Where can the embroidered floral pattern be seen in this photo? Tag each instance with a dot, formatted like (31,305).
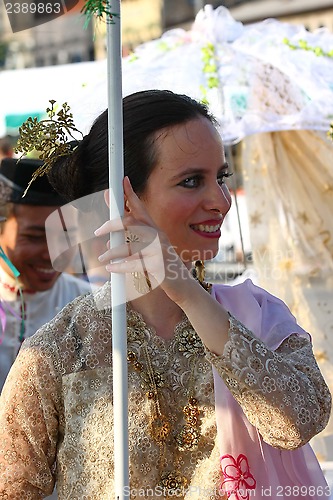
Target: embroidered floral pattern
(269,385)
(237,478)
(64,384)
(189,343)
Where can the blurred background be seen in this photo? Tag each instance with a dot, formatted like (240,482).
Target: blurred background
(268,235)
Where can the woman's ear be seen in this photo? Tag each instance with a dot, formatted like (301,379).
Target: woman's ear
(127,208)
(106,197)
(107,200)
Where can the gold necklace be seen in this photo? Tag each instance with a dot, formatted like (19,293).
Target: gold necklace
(198,273)
(160,428)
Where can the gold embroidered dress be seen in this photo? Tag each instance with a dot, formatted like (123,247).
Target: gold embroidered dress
(56,417)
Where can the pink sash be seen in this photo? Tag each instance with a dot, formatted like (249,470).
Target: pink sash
(250,468)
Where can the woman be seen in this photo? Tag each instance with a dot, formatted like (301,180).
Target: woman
(185,339)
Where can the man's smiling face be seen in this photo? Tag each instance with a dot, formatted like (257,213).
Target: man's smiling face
(23,240)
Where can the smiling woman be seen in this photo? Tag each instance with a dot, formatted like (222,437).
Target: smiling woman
(224,390)
(188,182)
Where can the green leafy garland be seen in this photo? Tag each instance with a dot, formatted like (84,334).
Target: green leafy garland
(209,69)
(303,45)
(318,51)
(99,9)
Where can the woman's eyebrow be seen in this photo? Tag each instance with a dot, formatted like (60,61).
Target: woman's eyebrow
(197,171)
(189,171)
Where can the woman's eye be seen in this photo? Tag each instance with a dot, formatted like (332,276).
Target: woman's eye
(190,182)
(224,175)
(197,180)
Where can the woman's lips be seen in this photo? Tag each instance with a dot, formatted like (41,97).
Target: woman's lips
(208,230)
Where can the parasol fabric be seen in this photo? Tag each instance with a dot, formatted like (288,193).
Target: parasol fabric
(264,77)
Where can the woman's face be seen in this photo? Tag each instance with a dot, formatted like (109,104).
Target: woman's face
(185,194)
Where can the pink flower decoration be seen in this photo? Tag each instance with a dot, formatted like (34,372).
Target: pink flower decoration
(237,478)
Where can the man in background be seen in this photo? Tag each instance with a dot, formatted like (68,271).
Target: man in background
(6,147)
(31,291)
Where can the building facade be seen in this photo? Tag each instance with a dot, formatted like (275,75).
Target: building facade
(63,40)
(66,39)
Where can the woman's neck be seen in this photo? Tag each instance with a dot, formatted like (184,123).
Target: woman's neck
(159,312)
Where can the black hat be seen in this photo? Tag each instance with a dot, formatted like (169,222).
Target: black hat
(15,176)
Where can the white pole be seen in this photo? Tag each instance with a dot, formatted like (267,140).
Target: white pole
(118,295)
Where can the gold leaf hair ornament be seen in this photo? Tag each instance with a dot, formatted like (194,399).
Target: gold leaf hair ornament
(49,137)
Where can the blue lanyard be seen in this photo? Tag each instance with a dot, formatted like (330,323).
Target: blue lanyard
(9,264)
(16,274)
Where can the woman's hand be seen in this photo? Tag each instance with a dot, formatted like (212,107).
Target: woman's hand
(146,249)
(149,251)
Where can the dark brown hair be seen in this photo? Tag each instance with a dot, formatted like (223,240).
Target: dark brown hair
(85,171)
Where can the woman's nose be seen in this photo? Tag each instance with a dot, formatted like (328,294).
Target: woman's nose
(219,199)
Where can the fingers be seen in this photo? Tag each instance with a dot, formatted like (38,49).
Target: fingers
(110,226)
(127,223)
(121,252)
(138,239)
(134,263)
(140,235)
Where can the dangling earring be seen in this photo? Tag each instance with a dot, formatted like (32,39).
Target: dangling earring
(199,274)
(199,271)
(142,283)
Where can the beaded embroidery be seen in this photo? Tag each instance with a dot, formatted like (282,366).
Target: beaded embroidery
(187,439)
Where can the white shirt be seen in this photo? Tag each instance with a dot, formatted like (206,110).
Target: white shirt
(40,307)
